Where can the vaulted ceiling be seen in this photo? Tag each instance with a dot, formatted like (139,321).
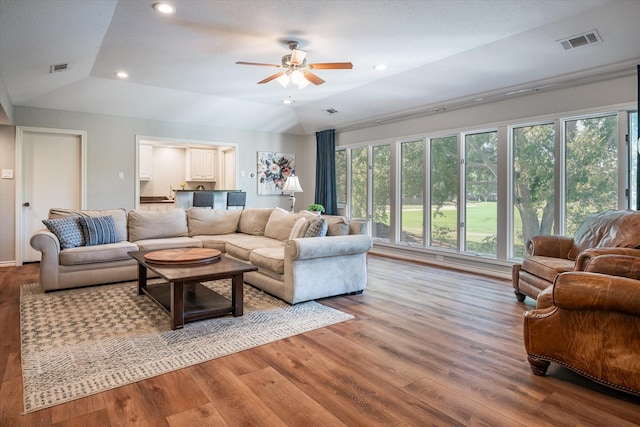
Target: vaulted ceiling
(182,67)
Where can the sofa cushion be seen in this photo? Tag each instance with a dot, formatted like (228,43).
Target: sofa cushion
(309,215)
(299,228)
(254,220)
(68,231)
(337,225)
(169,243)
(241,247)
(119,216)
(212,221)
(271,259)
(317,228)
(155,224)
(98,230)
(546,267)
(612,228)
(97,254)
(280,224)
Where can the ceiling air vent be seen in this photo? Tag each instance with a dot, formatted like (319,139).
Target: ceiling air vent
(588,38)
(330,111)
(58,67)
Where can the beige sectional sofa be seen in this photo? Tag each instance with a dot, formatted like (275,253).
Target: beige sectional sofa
(291,266)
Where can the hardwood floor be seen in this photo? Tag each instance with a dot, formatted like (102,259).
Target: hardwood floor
(428,346)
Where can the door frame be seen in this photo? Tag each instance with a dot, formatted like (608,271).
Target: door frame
(20,133)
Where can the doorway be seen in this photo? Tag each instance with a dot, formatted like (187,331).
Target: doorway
(168,158)
(52,173)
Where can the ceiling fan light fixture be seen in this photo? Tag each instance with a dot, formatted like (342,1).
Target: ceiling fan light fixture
(298,56)
(297,77)
(284,80)
(303,83)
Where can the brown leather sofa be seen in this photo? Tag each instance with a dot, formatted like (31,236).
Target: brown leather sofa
(609,232)
(589,321)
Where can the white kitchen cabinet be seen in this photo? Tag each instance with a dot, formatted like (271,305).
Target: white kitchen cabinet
(200,165)
(146,162)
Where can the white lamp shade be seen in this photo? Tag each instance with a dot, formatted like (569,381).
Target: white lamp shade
(298,56)
(283,80)
(292,185)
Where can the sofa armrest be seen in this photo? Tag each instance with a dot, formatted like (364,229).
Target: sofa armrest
(548,245)
(615,265)
(359,227)
(586,257)
(328,246)
(47,243)
(594,291)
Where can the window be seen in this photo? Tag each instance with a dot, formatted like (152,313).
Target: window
(444,190)
(481,209)
(359,188)
(440,194)
(633,160)
(591,168)
(341,180)
(412,201)
(533,183)
(381,196)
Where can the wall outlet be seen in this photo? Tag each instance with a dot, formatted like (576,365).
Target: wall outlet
(120,175)
(7,173)
(439,258)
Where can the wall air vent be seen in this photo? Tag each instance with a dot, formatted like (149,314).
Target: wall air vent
(585,39)
(58,67)
(330,111)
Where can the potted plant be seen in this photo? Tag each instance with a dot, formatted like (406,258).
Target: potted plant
(316,207)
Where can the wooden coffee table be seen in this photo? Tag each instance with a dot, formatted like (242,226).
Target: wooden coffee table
(183,296)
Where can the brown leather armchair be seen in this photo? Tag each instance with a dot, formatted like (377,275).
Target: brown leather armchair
(589,321)
(609,232)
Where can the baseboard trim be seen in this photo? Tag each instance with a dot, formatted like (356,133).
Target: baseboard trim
(494,269)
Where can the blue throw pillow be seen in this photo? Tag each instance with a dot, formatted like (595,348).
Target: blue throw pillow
(317,228)
(99,230)
(68,231)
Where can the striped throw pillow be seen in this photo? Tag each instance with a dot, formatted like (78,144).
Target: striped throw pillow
(99,230)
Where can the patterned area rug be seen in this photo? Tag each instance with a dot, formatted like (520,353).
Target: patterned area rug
(84,341)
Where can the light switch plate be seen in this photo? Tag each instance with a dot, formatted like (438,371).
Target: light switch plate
(7,173)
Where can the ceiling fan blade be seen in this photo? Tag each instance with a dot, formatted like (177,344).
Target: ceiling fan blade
(258,63)
(331,66)
(268,79)
(313,78)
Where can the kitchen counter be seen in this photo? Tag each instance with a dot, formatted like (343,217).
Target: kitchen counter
(155,199)
(184,198)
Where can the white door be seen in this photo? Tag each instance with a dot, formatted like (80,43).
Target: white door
(50,177)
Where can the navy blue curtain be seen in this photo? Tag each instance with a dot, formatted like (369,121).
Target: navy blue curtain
(326,171)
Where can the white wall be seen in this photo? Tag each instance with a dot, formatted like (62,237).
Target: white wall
(7,194)
(540,104)
(111,142)
(6,107)
(111,149)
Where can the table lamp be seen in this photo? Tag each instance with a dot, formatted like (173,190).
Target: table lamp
(292,186)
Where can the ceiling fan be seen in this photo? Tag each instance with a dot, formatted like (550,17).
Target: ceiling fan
(297,70)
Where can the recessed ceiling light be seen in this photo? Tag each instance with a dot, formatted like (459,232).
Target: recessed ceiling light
(121,75)
(380,67)
(164,8)
(288,101)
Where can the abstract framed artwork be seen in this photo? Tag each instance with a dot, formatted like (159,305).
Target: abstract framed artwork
(273,170)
